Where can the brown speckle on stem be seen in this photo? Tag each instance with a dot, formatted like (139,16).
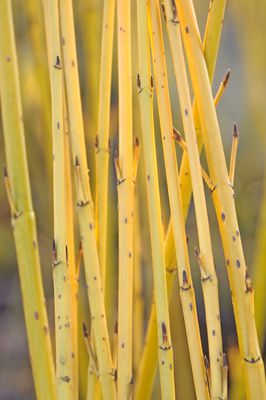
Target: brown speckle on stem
(116,327)
(163,11)
(57,64)
(36,315)
(164,332)
(235,131)
(85,331)
(66,379)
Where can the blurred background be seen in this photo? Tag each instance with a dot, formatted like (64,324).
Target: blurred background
(243,51)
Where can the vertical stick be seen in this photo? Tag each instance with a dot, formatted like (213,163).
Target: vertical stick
(84,204)
(22,215)
(73,269)
(145,93)
(102,139)
(138,297)
(62,289)
(125,188)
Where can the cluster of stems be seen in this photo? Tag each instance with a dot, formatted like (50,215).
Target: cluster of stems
(113,360)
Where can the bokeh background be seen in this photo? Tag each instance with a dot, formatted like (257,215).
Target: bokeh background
(243,51)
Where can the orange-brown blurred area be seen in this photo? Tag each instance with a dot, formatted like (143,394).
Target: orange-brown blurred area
(243,51)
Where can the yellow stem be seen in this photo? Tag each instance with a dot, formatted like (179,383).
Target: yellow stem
(102,138)
(222,87)
(232,165)
(125,186)
(138,298)
(62,288)
(84,203)
(145,94)
(73,268)
(23,217)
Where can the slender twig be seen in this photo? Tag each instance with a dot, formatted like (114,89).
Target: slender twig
(62,288)
(145,94)
(125,186)
(222,87)
(84,204)
(73,266)
(232,166)
(138,295)
(102,139)
(16,177)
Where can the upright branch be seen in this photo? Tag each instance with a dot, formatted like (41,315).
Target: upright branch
(16,176)
(62,289)
(177,217)
(138,289)
(205,257)
(125,186)
(232,166)
(84,205)
(223,198)
(102,139)
(73,264)
(210,47)
(145,94)
(222,87)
